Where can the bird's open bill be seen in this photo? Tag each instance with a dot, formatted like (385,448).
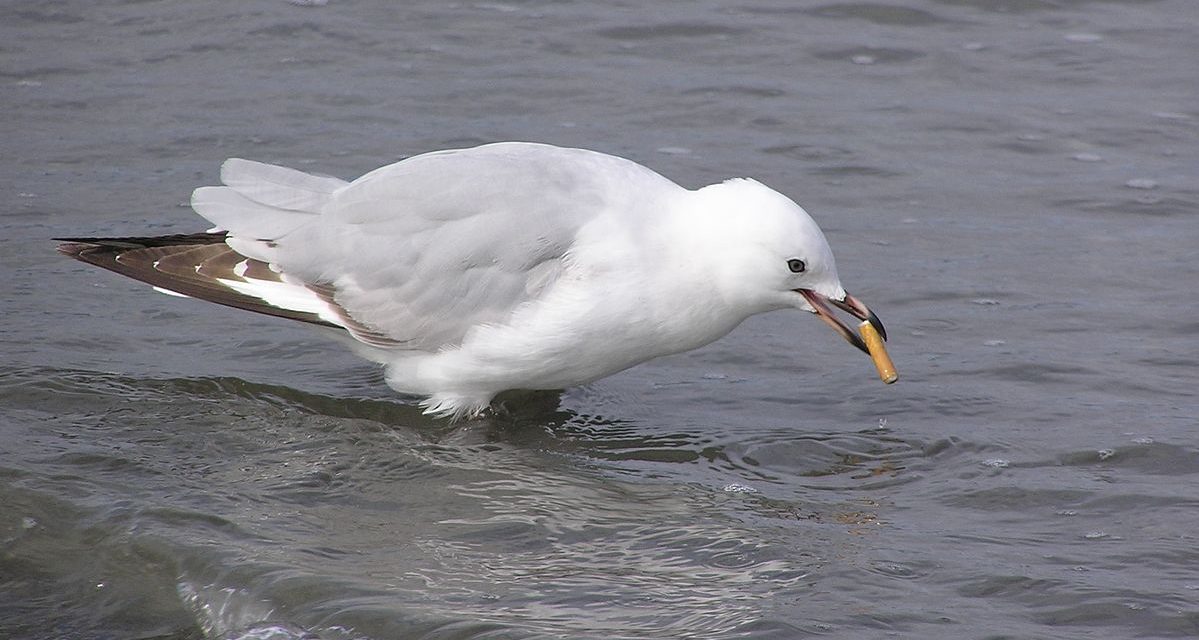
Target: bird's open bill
(854,307)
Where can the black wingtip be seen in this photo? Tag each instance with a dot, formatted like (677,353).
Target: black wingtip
(142,242)
(72,248)
(179,263)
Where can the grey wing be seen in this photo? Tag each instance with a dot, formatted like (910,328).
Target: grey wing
(415,254)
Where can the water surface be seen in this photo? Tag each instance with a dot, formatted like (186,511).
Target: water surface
(1011,184)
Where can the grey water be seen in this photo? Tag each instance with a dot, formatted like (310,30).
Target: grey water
(1013,185)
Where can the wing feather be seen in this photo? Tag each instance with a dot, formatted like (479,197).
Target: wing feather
(192,265)
(413,255)
(425,249)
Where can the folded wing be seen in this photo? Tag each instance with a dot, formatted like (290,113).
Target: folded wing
(409,256)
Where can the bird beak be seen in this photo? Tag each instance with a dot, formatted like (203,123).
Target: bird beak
(848,304)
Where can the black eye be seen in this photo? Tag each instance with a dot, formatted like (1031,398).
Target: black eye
(796,265)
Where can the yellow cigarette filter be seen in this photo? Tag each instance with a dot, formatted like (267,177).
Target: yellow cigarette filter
(878,353)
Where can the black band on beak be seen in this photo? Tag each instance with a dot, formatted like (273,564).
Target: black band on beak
(850,305)
(818,303)
(854,307)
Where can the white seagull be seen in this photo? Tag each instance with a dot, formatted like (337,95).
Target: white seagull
(514,265)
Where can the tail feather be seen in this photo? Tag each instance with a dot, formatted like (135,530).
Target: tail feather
(243,217)
(263,201)
(277,186)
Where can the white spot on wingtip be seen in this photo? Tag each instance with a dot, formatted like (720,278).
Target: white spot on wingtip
(283,295)
(170,293)
(240,268)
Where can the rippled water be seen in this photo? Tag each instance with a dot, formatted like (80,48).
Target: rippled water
(1011,184)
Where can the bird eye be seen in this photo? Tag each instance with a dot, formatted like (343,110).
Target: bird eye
(796,265)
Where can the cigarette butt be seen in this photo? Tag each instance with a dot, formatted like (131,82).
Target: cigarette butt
(878,353)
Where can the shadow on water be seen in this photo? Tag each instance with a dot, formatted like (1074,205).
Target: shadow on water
(267,511)
(271,416)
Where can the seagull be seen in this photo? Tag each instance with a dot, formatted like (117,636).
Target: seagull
(513,265)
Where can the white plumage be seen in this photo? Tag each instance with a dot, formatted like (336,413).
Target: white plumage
(512,265)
